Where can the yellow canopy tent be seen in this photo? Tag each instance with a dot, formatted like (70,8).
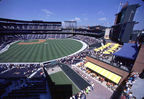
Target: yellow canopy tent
(106,52)
(110,51)
(109,75)
(102,47)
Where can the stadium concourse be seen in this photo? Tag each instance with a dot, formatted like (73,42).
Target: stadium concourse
(80,75)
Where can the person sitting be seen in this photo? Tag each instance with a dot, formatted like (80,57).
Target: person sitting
(97,77)
(131,78)
(102,79)
(126,92)
(113,87)
(108,84)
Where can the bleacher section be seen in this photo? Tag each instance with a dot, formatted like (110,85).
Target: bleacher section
(3,85)
(87,39)
(31,89)
(11,25)
(103,47)
(23,81)
(7,39)
(106,54)
(18,71)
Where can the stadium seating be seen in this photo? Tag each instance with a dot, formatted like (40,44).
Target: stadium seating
(32,89)
(16,71)
(7,39)
(103,47)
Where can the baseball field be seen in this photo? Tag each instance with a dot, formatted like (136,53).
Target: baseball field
(40,50)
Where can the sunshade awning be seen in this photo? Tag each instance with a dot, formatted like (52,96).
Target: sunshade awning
(108,74)
(128,50)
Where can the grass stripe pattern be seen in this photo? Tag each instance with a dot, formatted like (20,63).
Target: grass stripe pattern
(45,51)
(61,79)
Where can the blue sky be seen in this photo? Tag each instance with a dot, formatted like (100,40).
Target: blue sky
(85,12)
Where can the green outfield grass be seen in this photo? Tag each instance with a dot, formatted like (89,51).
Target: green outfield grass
(48,50)
(61,79)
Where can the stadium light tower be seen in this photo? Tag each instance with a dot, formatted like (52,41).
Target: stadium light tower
(120,6)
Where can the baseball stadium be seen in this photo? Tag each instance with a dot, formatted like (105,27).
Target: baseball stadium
(47,60)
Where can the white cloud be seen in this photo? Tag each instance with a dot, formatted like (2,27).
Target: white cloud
(85,19)
(76,19)
(47,12)
(102,19)
(100,12)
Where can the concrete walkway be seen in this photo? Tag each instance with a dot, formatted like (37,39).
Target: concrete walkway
(100,91)
(53,70)
(138,88)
